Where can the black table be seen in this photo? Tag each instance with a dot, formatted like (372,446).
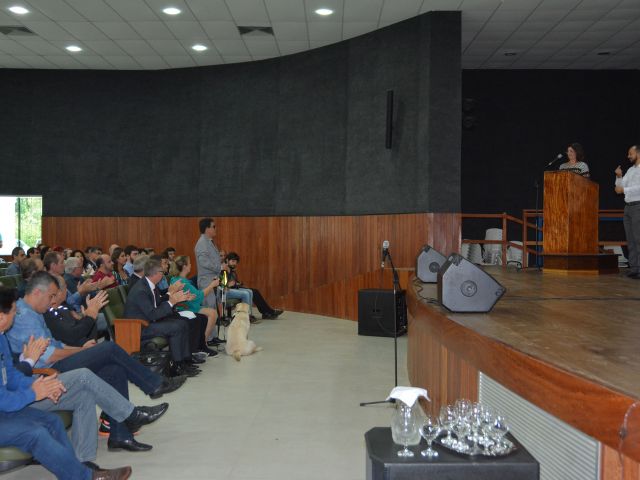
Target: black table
(383,462)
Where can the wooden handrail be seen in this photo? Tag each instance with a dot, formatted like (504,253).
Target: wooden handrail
(526,224)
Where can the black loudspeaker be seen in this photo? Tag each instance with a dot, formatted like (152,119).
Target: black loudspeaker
(464,287)
(428,263)
(388,141)
(375,312)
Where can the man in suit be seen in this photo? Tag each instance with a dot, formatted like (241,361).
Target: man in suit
(145,302)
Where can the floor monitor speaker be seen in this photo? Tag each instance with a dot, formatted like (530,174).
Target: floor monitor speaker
(428,263)
(465,287)
(375,312)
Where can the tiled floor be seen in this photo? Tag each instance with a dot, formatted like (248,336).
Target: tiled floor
(290,411)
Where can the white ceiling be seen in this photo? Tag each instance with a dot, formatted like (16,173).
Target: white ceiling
(135,34)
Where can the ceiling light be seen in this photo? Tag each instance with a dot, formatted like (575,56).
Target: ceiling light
(172,11)
(324,11)
(18,9)
(510,53)
(603,52)
(199,48)
(74,48)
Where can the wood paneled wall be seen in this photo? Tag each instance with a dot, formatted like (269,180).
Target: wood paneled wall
(305,264)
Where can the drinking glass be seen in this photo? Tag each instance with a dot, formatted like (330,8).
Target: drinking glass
(447,420)
(430,431)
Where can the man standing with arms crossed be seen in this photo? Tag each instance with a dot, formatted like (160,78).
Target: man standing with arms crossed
(629,185)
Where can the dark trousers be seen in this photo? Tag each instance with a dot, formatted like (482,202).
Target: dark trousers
(631,222)
(113,365)
(261,303)
(176,330)
(42,434)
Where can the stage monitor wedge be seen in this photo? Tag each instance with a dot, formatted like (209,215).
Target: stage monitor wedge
(465,287)
(428,263)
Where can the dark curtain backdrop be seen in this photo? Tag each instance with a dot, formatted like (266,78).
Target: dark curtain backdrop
(297,135)
(522,119)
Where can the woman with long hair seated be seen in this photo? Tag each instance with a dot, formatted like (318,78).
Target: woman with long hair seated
(180,271)
(119,258)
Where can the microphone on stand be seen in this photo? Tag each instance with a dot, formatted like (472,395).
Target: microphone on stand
(558,157)
(385,252)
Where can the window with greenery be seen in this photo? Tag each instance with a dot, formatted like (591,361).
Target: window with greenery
(21,222)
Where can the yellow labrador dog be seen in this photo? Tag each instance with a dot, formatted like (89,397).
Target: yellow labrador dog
(238,343)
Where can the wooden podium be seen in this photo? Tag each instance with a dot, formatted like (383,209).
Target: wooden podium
(570,231)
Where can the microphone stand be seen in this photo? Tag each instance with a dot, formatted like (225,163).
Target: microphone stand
(396,289)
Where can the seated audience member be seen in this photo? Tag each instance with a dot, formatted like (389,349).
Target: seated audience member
(33,252)
(145,302)
(54,263)
(180,272)
(107,360)
(18,255)
(28,267)
(234,292)
(76,288)
(131,251)
(67,252)
(79,390)
(163,285)
(87,269)
(44,249)
(112,248)
(92,254)
(118,259)
(234,283)
(65,327)
(138,270)
(150,251)
(104,270)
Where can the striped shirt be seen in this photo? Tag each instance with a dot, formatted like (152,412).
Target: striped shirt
(580,168)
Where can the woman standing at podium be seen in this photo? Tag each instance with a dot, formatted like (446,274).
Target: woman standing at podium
(576,163)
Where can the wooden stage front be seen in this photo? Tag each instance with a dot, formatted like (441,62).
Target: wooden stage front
(568,344)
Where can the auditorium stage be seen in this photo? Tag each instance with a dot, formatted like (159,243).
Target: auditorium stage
(567,343)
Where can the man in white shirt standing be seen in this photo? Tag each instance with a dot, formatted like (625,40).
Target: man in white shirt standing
(629,185)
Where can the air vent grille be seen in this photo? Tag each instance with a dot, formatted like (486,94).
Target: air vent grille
(16,31)
(255,31)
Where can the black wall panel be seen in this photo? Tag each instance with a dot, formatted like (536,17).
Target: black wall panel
(297,135)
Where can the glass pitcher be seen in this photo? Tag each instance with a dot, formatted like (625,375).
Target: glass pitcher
(405,427)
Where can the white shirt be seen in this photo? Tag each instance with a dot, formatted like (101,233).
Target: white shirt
(631,184)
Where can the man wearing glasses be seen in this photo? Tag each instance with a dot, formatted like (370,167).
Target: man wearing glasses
(207,259)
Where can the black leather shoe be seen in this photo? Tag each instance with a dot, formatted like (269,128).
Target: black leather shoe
(144,416)
(215,342)
(209,352)
(277,312)
(168,385)
(186,369)
(196,360)
(130,445)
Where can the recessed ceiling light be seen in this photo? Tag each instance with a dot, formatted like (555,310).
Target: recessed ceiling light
(18,9)
(603,52)
(199,48)
(510,53)
(324,11)
(172,11)
(73,48)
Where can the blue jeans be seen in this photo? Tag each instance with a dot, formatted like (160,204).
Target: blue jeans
(243,294)
(84,391)
(42,434)
(112,364)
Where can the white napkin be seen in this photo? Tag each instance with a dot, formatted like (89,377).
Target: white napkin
(187,314)
(408,395)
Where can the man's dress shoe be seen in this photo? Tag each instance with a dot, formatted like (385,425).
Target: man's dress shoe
(168,385)
(144,416)
(131,445)
(121,473)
